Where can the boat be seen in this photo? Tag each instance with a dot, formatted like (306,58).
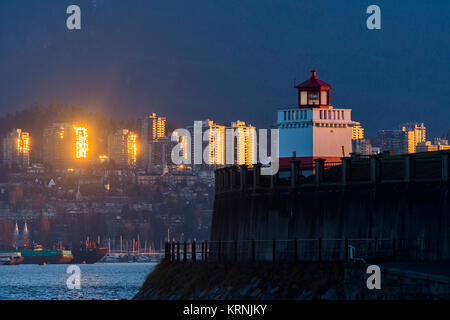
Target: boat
(43,256)
(88,255)
(10,258)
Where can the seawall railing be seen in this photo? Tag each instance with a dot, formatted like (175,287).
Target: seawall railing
(376,169)
(293,250)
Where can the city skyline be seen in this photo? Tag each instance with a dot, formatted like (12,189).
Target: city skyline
(147,142)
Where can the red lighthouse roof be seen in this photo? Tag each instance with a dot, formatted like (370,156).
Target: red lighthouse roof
(313,82)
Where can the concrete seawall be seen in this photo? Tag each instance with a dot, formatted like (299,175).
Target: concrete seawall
(416,214)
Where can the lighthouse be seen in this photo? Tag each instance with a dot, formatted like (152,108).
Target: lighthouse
(314,129)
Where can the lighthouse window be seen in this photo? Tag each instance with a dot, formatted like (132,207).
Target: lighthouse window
(321,114)
(303,98)
(323,97)
(313,97)
(339,115)
(342,114)
(285,116)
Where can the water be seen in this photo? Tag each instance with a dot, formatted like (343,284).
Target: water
(99,281)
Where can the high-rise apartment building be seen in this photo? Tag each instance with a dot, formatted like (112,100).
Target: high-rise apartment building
(122,148)
(160,150)
(65,144)
(213,137)
(403,140)
(16,149)
(415,134)
(362,146)
(392,140)
(245,143)
(357,131)
(150,129)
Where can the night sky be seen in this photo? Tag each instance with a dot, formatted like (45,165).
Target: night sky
(228,60)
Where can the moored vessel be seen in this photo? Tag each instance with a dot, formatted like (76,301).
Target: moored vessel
(43,256)
(10,258)
(88,255)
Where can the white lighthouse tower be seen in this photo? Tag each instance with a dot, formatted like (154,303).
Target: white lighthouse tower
(314,129)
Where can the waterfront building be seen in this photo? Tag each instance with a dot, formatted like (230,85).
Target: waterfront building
(16,149)
(357,131)
(244,148)
(392,140)
(150,129)
(213,135)
(403,140)
(159,155)
(362,146)
(426,146)
(65,145)
(415,134)
(122,148)
(442,143)
(314,129)
(439,144)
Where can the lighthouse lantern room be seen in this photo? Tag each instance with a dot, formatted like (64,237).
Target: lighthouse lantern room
(313,93)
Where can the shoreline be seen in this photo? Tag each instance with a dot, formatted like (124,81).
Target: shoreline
(286,281)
